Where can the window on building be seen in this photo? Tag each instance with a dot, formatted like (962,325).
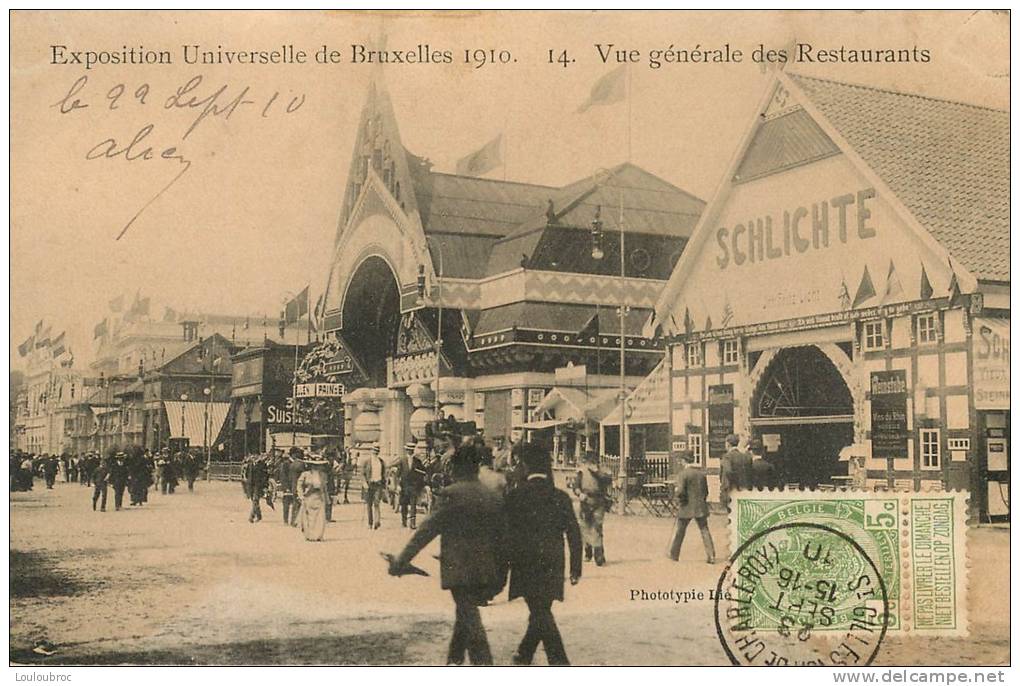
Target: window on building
(694,445)
(931,457)
(730,352)
(874,335)
(693,354)
(927,328)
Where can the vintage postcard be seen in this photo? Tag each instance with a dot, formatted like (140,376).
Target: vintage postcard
(431,337)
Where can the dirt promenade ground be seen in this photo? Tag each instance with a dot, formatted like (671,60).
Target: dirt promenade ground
(187,580)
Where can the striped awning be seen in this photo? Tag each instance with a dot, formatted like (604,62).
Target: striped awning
(649,403)
(193,417)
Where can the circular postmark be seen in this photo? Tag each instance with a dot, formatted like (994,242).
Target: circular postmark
(801,593)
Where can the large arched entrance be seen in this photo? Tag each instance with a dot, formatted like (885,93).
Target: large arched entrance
(371,316)
(802,411)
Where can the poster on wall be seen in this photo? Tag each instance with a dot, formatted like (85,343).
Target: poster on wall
(991,364)
(889,414)
(720,418)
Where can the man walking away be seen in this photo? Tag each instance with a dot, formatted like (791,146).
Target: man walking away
(538,517)
(763,472)
(50,468)
(592,485)
(99,490)
(412,483)
(735,471)
(373,470)
(118,477)
(692,499)
(470,523)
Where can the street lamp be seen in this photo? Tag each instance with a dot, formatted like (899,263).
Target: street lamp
(208,450)
(184,399)
(439,323)
(598,253)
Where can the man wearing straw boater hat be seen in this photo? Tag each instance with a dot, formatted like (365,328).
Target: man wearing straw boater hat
(310,491)
(373,470)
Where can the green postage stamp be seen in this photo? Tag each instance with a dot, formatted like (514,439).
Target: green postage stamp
(848,563)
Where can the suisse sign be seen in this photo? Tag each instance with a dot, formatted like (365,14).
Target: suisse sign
(797,230)
(319,390)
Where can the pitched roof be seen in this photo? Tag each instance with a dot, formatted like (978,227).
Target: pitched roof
(947,162)
(465,204)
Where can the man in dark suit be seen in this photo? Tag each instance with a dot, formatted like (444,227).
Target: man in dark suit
(735,472)
(692,499)
(118,478)
(289,471)
(411,475)
(538,517)
(470,522)
(763,472)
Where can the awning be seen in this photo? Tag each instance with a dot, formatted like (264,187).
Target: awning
(576,404)
(288,439)
(544,423)
(193,417)
(649,403)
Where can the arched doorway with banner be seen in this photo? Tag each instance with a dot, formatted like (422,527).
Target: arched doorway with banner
(802,411)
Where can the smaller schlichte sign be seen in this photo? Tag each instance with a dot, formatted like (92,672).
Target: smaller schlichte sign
(720,418)
(889,414)
(318,390)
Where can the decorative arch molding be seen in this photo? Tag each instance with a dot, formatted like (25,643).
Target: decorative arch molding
(376,221)
(372,250)
(840,360)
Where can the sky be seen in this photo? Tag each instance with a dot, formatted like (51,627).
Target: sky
(254,214)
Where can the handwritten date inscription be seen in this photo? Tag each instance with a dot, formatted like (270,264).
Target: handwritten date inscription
(207,103)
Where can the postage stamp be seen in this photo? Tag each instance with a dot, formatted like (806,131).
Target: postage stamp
(822,577)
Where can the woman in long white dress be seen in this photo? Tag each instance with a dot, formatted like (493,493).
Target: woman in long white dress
(311,489)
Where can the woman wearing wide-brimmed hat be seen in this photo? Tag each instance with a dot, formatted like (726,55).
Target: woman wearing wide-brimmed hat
(311,492)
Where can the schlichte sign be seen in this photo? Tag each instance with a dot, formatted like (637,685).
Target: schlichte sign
(889,414)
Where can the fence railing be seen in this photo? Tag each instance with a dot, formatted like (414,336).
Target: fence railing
(225,471)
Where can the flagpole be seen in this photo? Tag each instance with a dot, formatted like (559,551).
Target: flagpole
(629,110)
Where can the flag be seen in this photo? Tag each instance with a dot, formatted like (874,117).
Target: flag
(865,290)
(57,347)
(926,290)
(27,347)
(844,294)
(43,340)
(727,315)
(954,285)
(788,50)
(609,89)
(893,287)
(296,308)
(649,327)
(117,304)
(483,160)
(101,329)
(320,304)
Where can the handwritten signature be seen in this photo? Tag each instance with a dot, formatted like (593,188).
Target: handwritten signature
(189,96)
